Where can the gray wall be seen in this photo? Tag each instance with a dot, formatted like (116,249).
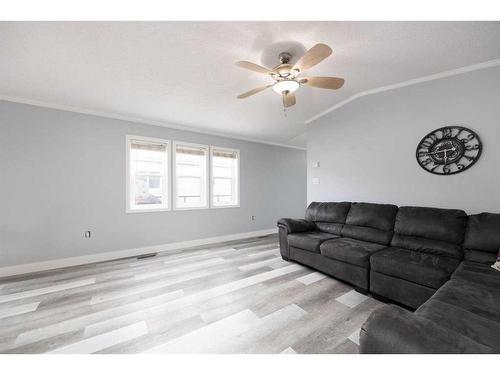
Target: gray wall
(366,148)
(62,173)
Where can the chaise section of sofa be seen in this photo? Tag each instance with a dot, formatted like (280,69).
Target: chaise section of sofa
(424,252)
(463,316)
(394,330)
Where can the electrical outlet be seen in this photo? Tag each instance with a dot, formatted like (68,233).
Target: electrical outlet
(87,234)
(253,218)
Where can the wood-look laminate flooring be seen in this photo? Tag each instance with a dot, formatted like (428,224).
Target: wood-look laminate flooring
(232,297)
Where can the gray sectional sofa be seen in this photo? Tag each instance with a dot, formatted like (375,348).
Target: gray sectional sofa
(436,261)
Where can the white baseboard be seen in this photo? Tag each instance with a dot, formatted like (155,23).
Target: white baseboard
(101,257)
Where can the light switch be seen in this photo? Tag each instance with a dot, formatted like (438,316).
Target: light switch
(315,180)
(315,164)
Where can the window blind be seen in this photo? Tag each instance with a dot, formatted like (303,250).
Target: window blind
(225,154)
(191,150)
(150,146)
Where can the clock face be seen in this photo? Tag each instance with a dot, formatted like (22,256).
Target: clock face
(449,150)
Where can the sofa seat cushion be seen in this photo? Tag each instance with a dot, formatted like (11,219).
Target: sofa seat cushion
(350,250)
(309,240)
(420,268)
(455,318)
(478,273)
(393,330)
(477,299)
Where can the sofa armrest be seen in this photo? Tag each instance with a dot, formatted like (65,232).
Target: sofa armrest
(393,330)
(296,225)
(287,226)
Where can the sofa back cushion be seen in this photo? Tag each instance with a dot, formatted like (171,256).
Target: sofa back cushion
(370,222)
(328,216)
(482,238)
(430,230)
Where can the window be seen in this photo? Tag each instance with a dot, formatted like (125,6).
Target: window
(147,177)
(225,177)
(191,175)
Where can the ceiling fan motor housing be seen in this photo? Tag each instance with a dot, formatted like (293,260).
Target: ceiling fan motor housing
(285,57)
(283,70)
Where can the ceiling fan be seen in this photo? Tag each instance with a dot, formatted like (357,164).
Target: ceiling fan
(286,75)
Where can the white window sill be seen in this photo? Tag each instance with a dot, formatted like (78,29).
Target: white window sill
(144,210)
(227,206)
(190,208)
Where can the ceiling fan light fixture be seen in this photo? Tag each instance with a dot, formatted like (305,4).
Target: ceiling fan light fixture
(285,86)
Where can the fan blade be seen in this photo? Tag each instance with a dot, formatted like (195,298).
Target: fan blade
(332,83)
(253,67)
(289,100)
(312,57)
(252,92)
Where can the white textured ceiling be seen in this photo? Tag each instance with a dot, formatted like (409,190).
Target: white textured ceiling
(184,72)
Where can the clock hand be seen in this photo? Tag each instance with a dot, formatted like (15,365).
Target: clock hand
(437,152)
(446,155)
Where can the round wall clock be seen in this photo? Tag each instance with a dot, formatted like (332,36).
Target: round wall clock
(449,150)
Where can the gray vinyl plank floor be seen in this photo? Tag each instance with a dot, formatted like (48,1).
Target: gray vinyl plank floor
(231,297)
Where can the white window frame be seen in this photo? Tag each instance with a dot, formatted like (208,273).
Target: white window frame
(174,176)
(129,209)
(238,184)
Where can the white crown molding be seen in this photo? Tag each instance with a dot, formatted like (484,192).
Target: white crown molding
(20,269)
(117,116)
(432,77)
